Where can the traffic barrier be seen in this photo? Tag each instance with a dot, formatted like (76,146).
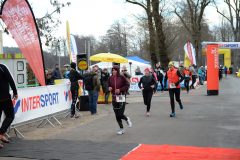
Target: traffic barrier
(40,103)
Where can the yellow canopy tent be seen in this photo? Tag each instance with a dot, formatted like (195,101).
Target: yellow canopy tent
(108,57)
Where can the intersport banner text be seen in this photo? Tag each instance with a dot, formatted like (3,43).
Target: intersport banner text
(20,21)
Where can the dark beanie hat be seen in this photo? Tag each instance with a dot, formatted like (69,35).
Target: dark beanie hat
(73,65)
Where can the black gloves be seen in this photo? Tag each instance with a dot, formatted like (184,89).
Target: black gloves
(176,84)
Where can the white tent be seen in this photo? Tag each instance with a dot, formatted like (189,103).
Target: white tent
(134,65)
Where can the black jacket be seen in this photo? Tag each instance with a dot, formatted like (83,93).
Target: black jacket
(104,81)
(159,74)
(56,74)
(6,79)
(74,76)
(147,82)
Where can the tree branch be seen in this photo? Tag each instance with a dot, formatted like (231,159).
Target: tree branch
(137,3)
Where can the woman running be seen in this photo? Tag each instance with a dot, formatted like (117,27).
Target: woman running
(187,76)
(118,85)
(154,75)
(148,83)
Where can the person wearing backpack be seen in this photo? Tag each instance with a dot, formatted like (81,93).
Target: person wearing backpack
(187,76)
(118,85)
(92,85)
(74,76)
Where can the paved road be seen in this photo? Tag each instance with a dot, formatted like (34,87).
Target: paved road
(205,121)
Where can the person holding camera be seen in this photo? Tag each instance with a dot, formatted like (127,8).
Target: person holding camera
(148,83)
(126,75)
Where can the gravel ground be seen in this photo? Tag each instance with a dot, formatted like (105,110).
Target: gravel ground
(30,131)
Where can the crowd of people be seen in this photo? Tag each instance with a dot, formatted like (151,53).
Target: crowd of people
(117,83)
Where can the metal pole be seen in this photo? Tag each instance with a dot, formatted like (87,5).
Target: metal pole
(59,55)
(85,47)
(89,53)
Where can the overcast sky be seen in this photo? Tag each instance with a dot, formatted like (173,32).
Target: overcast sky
(94,16)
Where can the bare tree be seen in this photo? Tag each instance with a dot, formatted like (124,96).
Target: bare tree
(46,24)
(147,7)
(233,18)
(195,9)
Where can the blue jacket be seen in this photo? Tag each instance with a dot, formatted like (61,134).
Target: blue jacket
(200,72)
(225,69)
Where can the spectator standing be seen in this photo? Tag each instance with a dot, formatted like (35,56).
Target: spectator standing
(56,73)
(6,104)
(94,92)
(225,70)
(137,71)
(104,81)
(154,75)
(200,74)
(160,71)
(65,75)
(48,82)
(118,85)
(126,75)
(194,74)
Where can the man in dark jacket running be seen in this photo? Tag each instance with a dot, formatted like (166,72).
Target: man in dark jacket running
(74,76)
(6,104)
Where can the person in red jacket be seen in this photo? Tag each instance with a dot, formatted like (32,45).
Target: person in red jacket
(118,85)
(187,74)
(173,76)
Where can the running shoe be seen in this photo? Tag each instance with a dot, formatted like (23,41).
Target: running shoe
(129,123)
(73,117)
(3,138)
(1,146)
(76,116)
(121,131)
(162,91)
(181,106)
(172,115)
(148,114)
(187,92)
(155,92)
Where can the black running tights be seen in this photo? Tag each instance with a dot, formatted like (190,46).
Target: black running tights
(74,90)
(147,97)
(7,107)
(175,91)
(119,109)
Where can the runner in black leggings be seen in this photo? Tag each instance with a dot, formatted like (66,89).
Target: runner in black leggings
(6,104)
(147,83)
(118,85)
(74,76)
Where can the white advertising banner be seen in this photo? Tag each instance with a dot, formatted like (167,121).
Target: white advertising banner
(73,48)
(41,101)
(134,84)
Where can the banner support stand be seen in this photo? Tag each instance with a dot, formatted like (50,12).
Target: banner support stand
(17,131)
(55,120)
(47,121)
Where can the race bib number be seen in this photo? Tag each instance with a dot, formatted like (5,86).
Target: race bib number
(172,85)
(186,75)
(120,98)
